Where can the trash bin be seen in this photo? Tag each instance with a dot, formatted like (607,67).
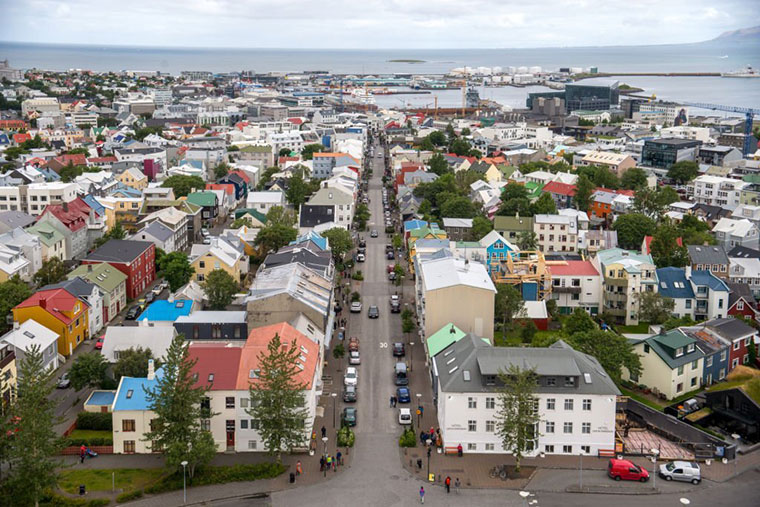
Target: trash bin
(82,489)
(292,477)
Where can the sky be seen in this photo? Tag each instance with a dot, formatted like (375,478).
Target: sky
(370,24)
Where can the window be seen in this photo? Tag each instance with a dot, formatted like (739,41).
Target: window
(202,264)
(709,361)
(472,447)
(740,305)
(128,425)
(679,351)
(694,364)
(679,387)
(129,447)
(244,424)
(646,349)
(586,428)
(490,426)
(568,404)
(252,444)
(720,303)
(206,424)
(693,381)
(688,304)
(548,449)
(586,449)
(254,424)
(568,427)
(587,404)
(472,403)
(550,404)
(490,447)
(567,449)
(737,344)
(243,402)
(680,370)
(491,403)
(549,426)
(472,425)
(569,381)
(551,381)
(229,402)
(723,355)
(734,363)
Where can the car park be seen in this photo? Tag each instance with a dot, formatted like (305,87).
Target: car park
(356,307)
(373,233)
(351,377)
(622,469)
(402,395)
(373,312)
(354,358)
(349,394)
(398,349)
(63,382)
(404,416)
(685,471)
(348,418)
(133,313)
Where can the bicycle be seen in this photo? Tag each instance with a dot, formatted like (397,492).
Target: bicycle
(499,471)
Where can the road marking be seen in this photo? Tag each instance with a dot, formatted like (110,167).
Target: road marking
(383,345)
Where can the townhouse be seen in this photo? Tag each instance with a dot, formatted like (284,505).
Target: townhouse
(90,294)
(618,163)
(556,233)
(264,201)
(731,233)
(61,312)
(209,203)
(576,284)
(212,325)
(561,193)
(52,241)
(625,274)
(136,259)
(709,258)
(118,339)
(341,201)
(111,282)
(739,335)
(23,336)
(219,254)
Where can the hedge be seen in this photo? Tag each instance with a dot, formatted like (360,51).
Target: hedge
(129,495)
(89,441)
(54,500)
(95,421)
(219,475)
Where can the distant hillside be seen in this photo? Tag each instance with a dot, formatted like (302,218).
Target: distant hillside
(743,35)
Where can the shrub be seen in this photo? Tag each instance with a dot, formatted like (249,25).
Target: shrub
(94,421)
(355,296)
(358,276)
(346,437)
(63,501)
(219,475)
(129,495)
(408,438)
(76,442)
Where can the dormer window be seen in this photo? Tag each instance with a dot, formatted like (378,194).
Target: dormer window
(690,348)
(569,381)
(679,351)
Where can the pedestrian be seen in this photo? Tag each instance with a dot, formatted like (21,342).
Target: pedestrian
(391,402)
(321,463)
(324,432)
(422,437)
(422,494)
(340,458)
(299,470)
(456,485)
(329,461)
(448,484)
(459,450)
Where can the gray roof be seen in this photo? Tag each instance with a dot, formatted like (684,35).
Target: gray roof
(730,328)
(157,230)
(12,219)
(213,317)
(700,254)
(318,261)
(119,250)
(472,354)
(77,286)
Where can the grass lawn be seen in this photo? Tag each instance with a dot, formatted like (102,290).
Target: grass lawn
(88,434)
(511,340)
(641,399)
(641,328)
(127,479)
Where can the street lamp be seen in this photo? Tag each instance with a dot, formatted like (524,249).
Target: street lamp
(411,355)
(419,409)
(655,452)
(580,471)
(324,453)
(334,397)
(684,501)
(736,437)
(525,495)
(428,442)
(184,483)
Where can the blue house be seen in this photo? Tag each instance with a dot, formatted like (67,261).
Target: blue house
(241,188)
(673,284)
(716,353)
(167,311)
(131,412)
(313,237)
(496,248)
(711,295)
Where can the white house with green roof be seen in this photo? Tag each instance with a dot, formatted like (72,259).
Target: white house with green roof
(111,281)
(53,241)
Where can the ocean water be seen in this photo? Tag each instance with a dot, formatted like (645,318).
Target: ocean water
(703,57)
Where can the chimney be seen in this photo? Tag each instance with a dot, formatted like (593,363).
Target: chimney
(151,370)
(452,330)
(171,298)
(89,268)
(65,206)
(43,303)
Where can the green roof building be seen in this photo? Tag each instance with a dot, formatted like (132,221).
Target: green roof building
(110,280)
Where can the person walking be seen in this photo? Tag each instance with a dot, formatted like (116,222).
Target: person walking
(324,432)
(321,463)
(82,451)
(299,470)
(456,485)
(340,458)
(448,484)
(422,494)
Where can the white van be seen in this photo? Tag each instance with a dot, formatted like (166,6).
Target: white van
(686,471)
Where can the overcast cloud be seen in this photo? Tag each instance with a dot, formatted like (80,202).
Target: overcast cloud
(372,23)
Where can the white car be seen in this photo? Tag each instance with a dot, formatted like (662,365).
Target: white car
(356,307)
(353,357)
(351,377)
(394,298)
(360,257)
(404,416)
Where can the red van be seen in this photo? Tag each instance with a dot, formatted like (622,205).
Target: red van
(623,469)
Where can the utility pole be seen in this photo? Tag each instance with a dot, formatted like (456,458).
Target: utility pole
(464,90)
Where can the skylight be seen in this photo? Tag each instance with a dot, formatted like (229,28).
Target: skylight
(587,378)
(180,304)
(451,360)
(466,375)
(455,368)
(29,334)
(130,393)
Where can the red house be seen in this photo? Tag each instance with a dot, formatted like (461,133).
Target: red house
(739,335)
(136,259)
(741,302)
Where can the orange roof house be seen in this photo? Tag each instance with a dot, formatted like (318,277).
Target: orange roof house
(61,312)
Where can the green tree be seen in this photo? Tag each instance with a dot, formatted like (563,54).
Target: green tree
(634,179)
(52,271)
(438,138)
(176,400)
(297,191)
(610,349)
(12,292)
(654,308)
(340,242)
(527,240)
(183,185)
(70,172)
(278,232)
(175,268)
(32,450)
(221,170)
(220,288)
(14,152)
(240,222)
(584,187)
(362,215)
(133,362)
(665,249)
(309,150)
(684,171)
(694,231)
(339,351)
(544,205)
(397,242)
(400,273)
(507,304)
(579,322)
(460,146)
(284,152)
(480,227)
(88,370)
(266,177)
(458,207)
(517,418)
(277,215)
(438,164)
(647,202)
(450,132)
(277,398)
(632,228)
(466,132)
(426,144)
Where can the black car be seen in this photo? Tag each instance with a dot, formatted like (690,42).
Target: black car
(133,313)
(399,350)
(388,248)
(390,255)
(373,312)
(373,234)
(361,250)
(395,307)
(348,418)
(392,276)
(349,394)
(362,242)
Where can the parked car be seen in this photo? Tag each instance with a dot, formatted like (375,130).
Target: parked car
(349,394)
(362,241)
(392,276)
(622,469)
(388,248)
(99,343)
(686,471)
(373,312)
(149,297)
(350,378)
(356,307)
(354,358)
(362,250)
(373,233)
(63,382)
(404,416)
(205,233)
(157,290)
(133,313)
(349,417)
(142,303)
(399,350)
(402,394)
(390,256)
(395,307)
(360,257)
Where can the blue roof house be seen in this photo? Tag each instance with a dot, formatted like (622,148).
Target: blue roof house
(496,248)
(711,295)
(673,284)
(164,312)
(131,413)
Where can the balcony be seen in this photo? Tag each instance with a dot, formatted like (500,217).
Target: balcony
(566,290)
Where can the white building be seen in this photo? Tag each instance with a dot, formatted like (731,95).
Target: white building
(40,195)
(576,284)
(290,140)
(556,233)
(264,201)
(716,190)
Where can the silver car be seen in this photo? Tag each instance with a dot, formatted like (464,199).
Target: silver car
(686,471)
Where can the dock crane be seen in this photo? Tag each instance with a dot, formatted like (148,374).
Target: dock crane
(748,113)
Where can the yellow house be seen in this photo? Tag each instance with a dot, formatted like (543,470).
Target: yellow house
(422,233)
(121,209)
(218,255)
(7,375)
(133,178)
(61,312)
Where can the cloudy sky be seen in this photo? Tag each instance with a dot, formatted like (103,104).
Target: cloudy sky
(371,23)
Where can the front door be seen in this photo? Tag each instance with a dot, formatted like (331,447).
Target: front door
(230,434)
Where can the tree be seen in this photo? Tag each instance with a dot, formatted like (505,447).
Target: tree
(176,400)
(88,370)
(450,132)
(527,240)
(133,362)
(584,187)
(517,418)
(634,179)
(277,398)
(694,231)
(52,271)
(277,215)
(544,205)
(276,234)
(508,303)
(183,185)
(176,269)
(12,292)
(579,322)
(438,164)
(340,242)
(309,150)
(35,443)
(460,146)
(683,171)
(458,207)
(610,349)
(284,152)
(297,191)
(115,232)
(466,132)
(266,176)
(221,170)
(480,227)
(69,172)
(632,228)
(339,351)
(665,249)
(220,288)
(399,272)
(654,308)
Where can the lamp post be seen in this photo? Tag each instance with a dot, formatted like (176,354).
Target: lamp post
(684,501)
(580,472)
(736,437)
(419,409)
(334,397)
(184,483)
(428,442)
(525,495)
(324,453)
(411,355)
(655,453)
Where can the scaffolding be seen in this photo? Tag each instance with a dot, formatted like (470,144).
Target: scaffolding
(525,267)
